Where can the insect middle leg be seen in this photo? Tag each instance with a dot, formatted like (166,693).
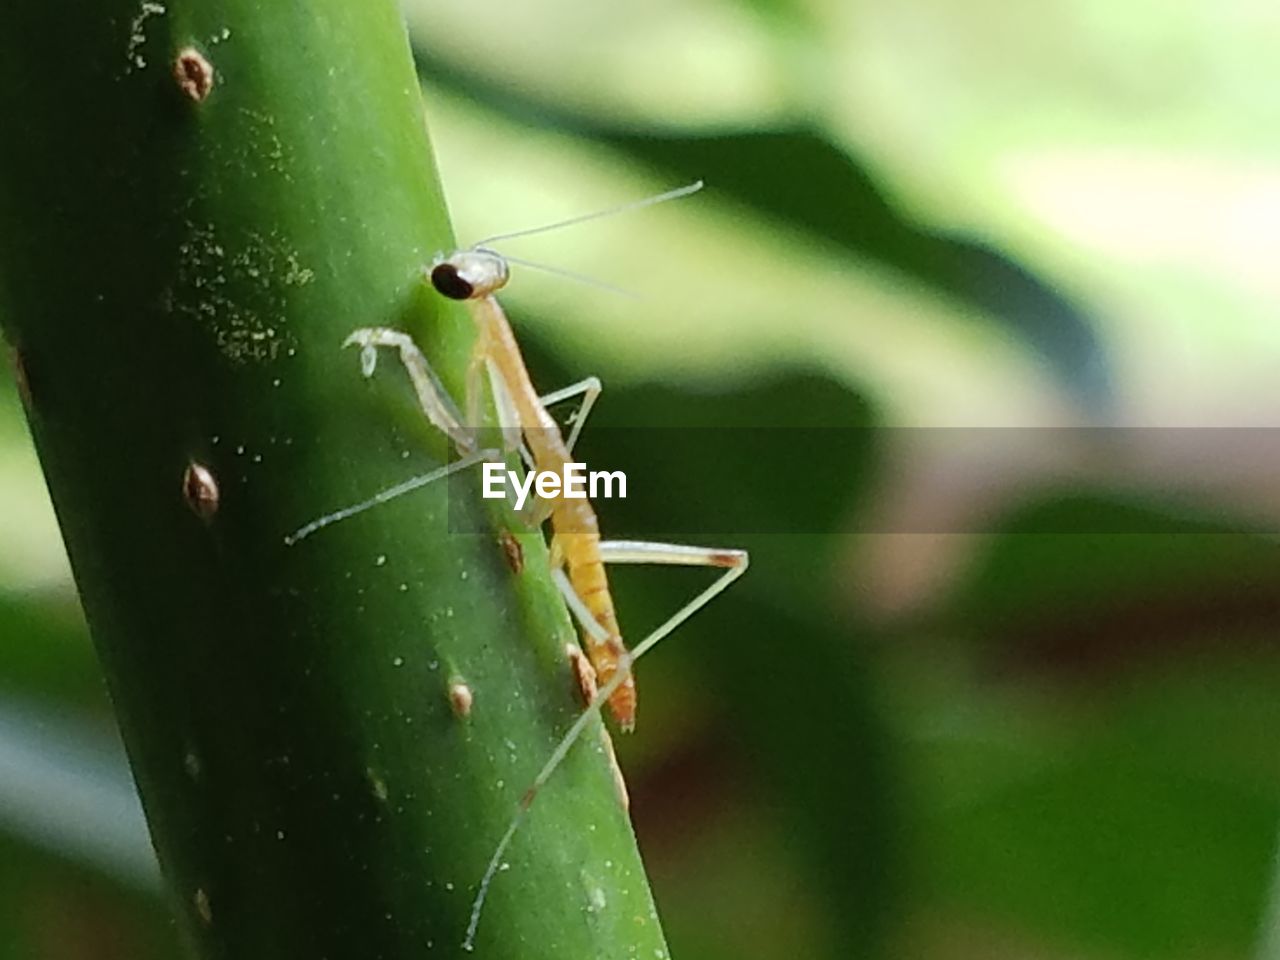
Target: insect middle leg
(442,412)
(590,388)
(436,403)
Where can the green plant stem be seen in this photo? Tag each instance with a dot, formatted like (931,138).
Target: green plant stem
(181,255)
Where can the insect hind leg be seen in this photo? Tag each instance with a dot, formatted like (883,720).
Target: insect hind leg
(733,562)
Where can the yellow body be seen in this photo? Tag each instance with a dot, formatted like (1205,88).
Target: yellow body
(575,532)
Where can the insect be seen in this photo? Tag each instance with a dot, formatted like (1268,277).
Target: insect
(475,275)
(578,554)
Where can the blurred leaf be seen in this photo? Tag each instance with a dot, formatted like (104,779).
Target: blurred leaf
(1131,809)
(801,178)
(1138,581)
(31,553)
(45,650)
(65,787)
(785,14)
(1112,825)
(56,910)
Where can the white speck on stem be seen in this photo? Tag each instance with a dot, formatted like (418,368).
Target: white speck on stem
(138,33)
(596,900)
(203,908)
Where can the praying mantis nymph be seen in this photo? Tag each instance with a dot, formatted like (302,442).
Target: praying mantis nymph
(578,554)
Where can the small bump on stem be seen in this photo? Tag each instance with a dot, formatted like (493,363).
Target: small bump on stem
(377,785)
(583,672)
(194,74)
(460,698)
(200,490)
(203,910)
(512,550)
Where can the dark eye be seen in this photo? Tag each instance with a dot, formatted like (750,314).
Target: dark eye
(444,277)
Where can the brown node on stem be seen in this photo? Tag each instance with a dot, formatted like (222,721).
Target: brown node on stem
(512,550)
(200,490)
(585,675)
(583,672)
(193,73)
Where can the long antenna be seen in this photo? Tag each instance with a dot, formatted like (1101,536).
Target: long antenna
(569,275)
(633,205)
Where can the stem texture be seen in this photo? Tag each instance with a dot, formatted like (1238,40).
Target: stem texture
(198,202)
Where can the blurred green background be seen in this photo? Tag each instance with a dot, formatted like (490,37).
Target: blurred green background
(973,706)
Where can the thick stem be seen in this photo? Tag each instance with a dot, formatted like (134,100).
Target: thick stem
(198,202)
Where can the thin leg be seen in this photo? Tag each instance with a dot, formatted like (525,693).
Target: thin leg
(671,555)
(475,378)
(508,415)
(538,513)
(577,607)
(590,389)
(391,493)
(734,563)
(436,403)
(526,455)
(512,433)
(509,423)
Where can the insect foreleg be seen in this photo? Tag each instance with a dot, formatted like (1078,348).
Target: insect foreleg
(436,403)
